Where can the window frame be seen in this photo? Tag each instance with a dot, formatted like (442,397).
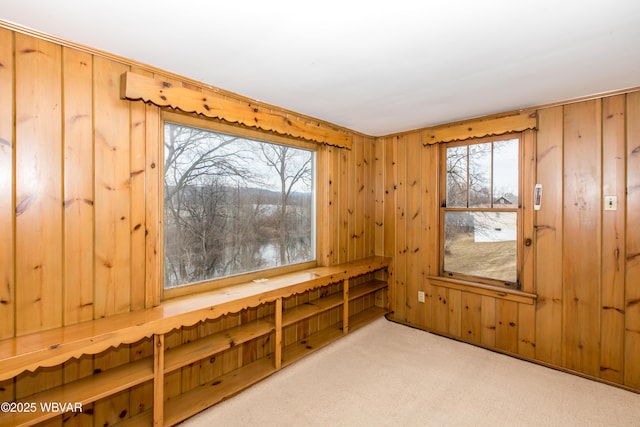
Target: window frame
(214,125)
(472,279)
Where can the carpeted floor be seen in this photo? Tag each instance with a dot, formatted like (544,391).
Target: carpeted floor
(387,374)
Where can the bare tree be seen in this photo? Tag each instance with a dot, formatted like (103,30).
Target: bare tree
(292,169)
(197,168)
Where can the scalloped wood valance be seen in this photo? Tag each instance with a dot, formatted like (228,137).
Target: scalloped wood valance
(480,128)
(164,94)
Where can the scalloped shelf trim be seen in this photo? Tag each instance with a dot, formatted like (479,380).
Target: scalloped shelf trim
(136,87)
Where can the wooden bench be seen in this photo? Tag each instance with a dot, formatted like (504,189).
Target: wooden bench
(54,347)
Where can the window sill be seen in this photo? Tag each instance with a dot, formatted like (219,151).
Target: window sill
(482,289)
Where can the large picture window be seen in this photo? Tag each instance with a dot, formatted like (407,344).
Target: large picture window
(234,205)
(481,211)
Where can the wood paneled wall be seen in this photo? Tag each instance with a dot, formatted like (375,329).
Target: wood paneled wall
(79,204)
(80,210)
(584,267)
(80,217)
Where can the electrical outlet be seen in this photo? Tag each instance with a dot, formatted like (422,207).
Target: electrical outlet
(420,296)
(610,203)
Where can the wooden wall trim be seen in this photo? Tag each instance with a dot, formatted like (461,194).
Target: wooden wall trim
(480,128)
(165,94)
(481,289)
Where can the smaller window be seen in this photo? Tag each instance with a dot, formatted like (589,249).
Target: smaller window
(480,211)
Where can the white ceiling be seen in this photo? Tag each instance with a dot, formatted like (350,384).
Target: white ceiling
(377,67)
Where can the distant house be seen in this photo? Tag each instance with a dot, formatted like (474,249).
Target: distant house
(502,201)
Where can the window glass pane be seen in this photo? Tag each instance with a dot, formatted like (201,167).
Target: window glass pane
(457,177)
(480,175)
(233,205)
(505,173)
(481,244)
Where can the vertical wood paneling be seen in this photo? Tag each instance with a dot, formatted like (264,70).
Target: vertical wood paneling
(471,322)
(190,375)
(440,309)
(154,200)
(390,200)
(323,203)
(75,369)
(141,395)
(345,197)
(507,325)
(7,259)
(613,232)
(173,380)
(488,321)
(582,244)
(414,228)
(138,225)
(113,218)
(78,186)
(38,185)
(379,175)
(549,237)
(334,212)
(358,216)
(114,408)
(112,192)
(38,174)
(67,187)
(528,179)
(430,232)
(527,330)
(207,368)
(455,313)
(7,288)
(401,232)
(370,197)
(632,298)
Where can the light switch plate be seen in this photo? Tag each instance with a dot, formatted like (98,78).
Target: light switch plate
(610,203)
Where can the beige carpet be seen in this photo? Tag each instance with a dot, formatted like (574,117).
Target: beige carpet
(391,375)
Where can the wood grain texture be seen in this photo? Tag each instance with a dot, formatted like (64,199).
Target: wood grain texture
(430,228)
(164,93)
(454,306)
(138,226)
(507,326)
(401,248)
(488,321)
(38,185)
(78,186)
(632,295)
(527,331)
(582,236)
(526,228)
(355,210)
(154,202)
(112,192)
(390,201)
(573,271)
(378,180)
(345,199)
(440,309)
(370,198)
(53,347)
(7,255)
(414,243)
(480,128)
(613,237)
(549,236)
(471,321)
